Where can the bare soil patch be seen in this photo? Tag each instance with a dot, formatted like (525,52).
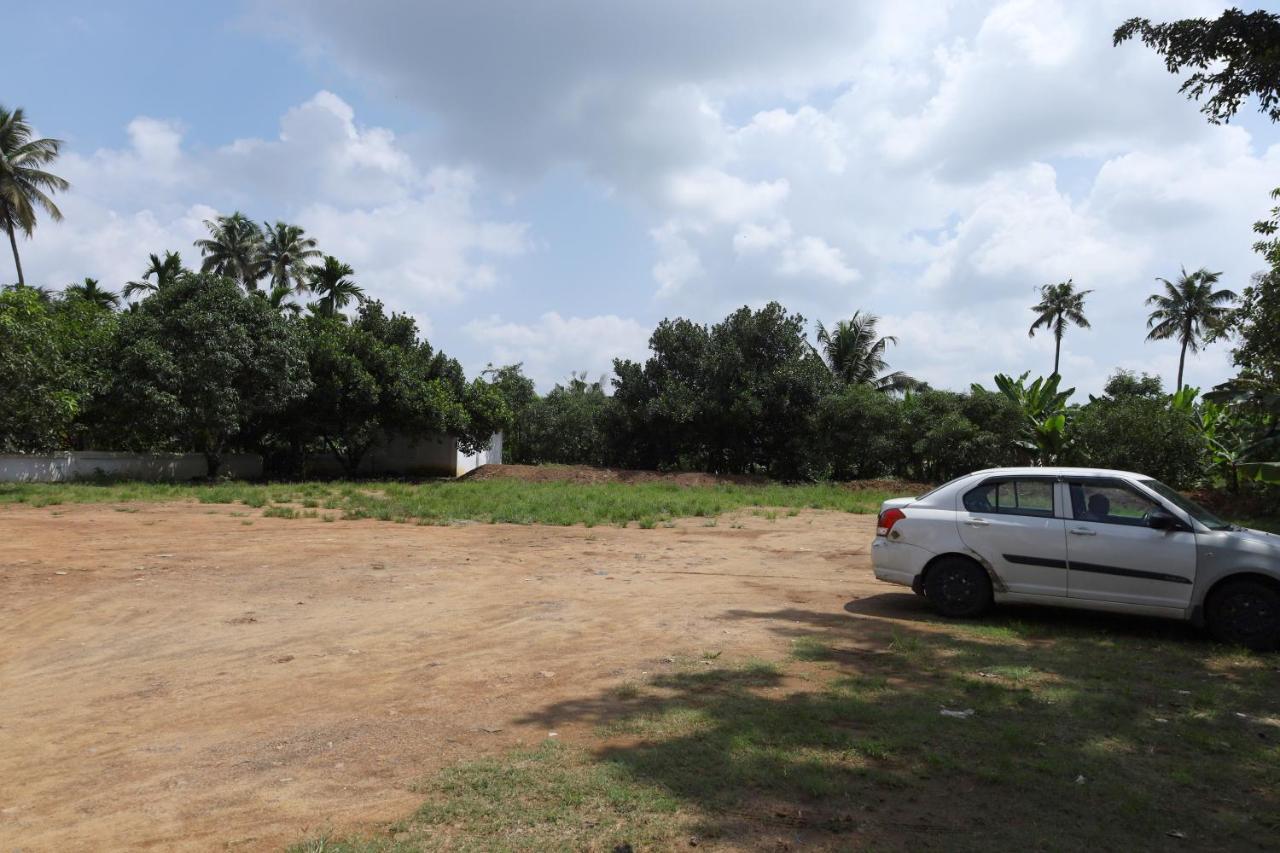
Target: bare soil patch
(185,676)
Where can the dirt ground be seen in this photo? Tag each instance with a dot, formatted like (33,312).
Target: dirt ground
(185,676)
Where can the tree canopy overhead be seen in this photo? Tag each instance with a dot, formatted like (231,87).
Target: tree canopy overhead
(1230,58)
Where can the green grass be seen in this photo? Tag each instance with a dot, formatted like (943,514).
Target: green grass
(1087,732)
(510,501)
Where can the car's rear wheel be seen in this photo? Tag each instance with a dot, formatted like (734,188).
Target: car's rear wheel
(958,587)
(1245,613)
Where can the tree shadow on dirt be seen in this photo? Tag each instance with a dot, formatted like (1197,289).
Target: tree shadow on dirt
(1062,730)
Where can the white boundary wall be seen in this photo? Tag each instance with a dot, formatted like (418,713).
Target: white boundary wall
(428,456)
(88,464)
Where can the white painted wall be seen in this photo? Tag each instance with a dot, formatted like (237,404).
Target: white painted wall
(88,464)
(428,456)
(492,456)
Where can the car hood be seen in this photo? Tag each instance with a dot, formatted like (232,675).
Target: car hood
(1256,543)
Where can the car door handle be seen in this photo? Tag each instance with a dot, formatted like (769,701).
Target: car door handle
(977,522)
(1082,531)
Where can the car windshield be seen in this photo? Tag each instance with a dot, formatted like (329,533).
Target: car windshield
(1187,505)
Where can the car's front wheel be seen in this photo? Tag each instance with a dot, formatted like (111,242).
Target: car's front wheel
(1245,613)
(958,587)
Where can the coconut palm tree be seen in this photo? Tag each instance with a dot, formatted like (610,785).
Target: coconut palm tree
(165,271)
(89,291)
(233,249)
(1059,305)
(855,354)
(331,282)
(24,185)
(285,254)
(1186,309)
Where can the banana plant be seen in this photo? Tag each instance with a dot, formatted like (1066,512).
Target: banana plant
(1044,411)
(1240,421)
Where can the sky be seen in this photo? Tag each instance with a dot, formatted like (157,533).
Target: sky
(544,182)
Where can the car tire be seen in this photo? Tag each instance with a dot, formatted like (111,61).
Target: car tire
(1245,613)
(958,588)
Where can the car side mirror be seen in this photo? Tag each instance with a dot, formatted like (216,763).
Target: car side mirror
(1158,519)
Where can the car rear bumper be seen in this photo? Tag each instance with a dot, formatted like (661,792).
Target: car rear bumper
(897,562)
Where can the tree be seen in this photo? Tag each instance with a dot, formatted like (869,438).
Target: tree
(90,292)
(53,357)
(166,272)
(280,297)
(195,364)
(374,378)
(520,396)
(24,184)
(1059,305)
(1133,427)
(233,249)
(332,283)
(1187,310)
(286,253)
(855,354)
(1232,57)
(566,426)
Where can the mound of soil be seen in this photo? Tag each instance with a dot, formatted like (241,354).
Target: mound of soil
(587,474)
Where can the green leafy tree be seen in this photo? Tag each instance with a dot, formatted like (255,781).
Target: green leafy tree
(160,273)
(25,184)
(1060,304)
(740,397)
(863,430)
(1187,310)
(655,419)
(521,397)
(90,291)
(855,353)
(374,378)
(233,249)
(1230,58)
(1133,427)
(565,426)
(196,363)
(286,255)
(331,281)
(53,355)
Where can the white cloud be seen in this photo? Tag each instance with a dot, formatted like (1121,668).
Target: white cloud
(555,346)
(930,162)
(812,256)
(412,234)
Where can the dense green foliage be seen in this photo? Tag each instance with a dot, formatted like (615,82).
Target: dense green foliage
(52,358)
(194,365)
(1231,58)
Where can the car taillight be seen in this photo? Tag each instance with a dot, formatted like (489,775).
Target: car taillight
(888,519)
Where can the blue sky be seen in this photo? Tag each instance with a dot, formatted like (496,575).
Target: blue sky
(544,182)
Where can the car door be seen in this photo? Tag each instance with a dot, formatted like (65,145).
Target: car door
(1012,523)
(1113,555)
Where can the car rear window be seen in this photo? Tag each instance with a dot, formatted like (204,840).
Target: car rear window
(1012,497)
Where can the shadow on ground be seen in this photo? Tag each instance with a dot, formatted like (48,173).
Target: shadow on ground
(891,728)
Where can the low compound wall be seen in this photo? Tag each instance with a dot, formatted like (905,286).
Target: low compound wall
(93,464)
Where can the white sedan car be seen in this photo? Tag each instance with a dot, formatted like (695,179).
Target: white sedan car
(1081,537)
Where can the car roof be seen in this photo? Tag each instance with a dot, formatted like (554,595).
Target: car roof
(1060,470)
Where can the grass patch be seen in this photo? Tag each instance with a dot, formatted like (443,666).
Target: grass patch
(497,501)
(1096,732)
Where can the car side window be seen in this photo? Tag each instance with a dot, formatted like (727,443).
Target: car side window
(1109,502)
(1012,497)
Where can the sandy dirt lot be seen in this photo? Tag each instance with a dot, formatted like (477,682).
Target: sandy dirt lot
(181,676)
